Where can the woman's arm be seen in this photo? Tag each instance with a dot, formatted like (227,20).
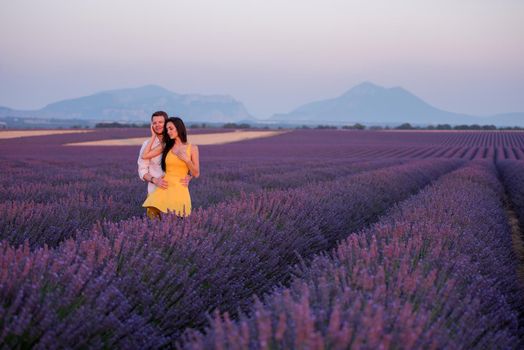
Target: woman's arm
(151,152)
(194,168)
(192,160)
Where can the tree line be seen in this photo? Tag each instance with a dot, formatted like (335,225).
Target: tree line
(356,126)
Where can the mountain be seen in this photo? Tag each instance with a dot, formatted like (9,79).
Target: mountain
(366,103)
(508,119)
(137,104)
(373,104)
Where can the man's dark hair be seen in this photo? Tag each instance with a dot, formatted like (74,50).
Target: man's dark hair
(160,114)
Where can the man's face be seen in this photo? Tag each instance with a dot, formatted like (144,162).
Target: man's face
(158,124)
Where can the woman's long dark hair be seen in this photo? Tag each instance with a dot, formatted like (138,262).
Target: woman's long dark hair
(182,133)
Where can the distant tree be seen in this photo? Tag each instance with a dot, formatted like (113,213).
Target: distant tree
(376,127)
(356,126)
(236,126)
(489,127)
(405,126)
(443,127)
(120,125)
(322,127)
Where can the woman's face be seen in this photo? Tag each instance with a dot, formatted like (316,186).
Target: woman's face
(171,130)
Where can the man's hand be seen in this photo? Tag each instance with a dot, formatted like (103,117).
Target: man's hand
(185,180)
(160,182)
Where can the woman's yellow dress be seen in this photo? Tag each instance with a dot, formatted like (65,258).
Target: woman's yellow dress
(176,197)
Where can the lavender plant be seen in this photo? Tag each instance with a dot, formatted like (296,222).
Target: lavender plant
(52,207)
(512,173)
(266,205)
(167,274)
(435,272)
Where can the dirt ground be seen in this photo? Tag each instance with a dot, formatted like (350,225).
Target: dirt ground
(11,134)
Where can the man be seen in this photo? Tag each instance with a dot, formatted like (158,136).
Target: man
(151,170)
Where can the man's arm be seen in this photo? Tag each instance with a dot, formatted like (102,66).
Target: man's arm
(143,165)
(143,169)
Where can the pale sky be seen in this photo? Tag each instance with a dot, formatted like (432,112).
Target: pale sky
(463,56)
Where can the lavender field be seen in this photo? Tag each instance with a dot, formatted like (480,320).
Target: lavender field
(313,239)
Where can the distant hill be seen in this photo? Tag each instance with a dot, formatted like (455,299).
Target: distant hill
(508,119)
(137,104)
(366,103)
(373,104)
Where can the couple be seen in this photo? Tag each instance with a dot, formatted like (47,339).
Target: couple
(168,163)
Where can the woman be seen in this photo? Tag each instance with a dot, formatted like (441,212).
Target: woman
(178,159)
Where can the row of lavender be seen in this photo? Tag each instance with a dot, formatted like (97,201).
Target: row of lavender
(60,201)
(319,144)
(393,144)
(466,153)
(141,284)
(437,272)
(513,176)
(483,139)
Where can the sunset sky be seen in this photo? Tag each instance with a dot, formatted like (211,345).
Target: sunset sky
(463,56)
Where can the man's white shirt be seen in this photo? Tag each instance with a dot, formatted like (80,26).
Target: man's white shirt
(151,166)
